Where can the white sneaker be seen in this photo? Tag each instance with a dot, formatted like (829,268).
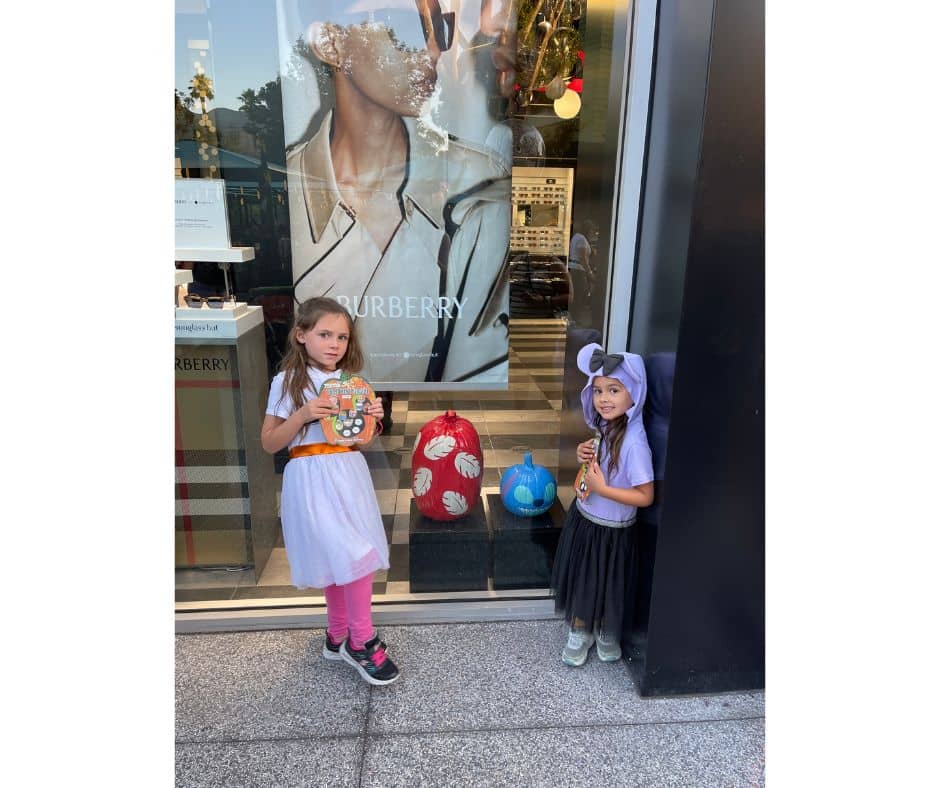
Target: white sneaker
(608,649)
(576,649)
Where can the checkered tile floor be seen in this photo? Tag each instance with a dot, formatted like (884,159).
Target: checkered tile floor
(523,418)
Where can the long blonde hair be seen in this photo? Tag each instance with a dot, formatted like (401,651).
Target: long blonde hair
(295,361)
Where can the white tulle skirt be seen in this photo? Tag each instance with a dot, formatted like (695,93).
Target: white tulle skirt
(332,526)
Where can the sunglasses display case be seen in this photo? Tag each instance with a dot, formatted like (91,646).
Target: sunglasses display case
(541,209)
(211,308)
(191,306)
(202,236)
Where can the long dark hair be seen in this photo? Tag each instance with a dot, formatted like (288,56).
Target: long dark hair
(611,440)
(295,362)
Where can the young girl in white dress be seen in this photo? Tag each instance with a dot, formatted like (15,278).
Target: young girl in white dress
(332,527)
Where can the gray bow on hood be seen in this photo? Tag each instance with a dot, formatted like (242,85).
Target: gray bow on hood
(628,368)
(600,360)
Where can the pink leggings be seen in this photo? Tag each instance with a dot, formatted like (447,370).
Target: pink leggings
(350,607)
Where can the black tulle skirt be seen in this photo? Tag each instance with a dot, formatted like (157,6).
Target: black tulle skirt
(595,574)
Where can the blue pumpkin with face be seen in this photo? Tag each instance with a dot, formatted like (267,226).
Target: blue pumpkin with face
(527,489)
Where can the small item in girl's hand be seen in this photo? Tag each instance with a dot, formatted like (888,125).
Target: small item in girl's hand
(351,394)
(580,481)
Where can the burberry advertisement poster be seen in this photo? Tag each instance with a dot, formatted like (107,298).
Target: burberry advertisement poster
(398,164)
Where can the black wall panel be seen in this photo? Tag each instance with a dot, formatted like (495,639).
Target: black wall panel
(706,618)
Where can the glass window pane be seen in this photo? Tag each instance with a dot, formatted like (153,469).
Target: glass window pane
(255,83)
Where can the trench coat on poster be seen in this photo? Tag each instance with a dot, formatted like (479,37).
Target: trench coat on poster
(434,305)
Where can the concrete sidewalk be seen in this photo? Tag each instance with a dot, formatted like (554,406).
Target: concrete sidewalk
(477,704)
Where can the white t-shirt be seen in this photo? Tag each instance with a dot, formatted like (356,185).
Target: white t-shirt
(283,407)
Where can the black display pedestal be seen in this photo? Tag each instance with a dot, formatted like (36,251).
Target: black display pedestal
(523,547)
(448,556)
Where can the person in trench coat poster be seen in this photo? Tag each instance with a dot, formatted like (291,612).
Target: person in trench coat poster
(401,222)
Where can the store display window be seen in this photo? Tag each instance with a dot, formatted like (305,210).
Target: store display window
(434,167)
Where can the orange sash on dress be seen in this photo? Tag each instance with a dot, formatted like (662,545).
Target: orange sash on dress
(310,449)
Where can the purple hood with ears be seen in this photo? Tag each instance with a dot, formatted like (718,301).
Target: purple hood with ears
(630,372)
(635,465)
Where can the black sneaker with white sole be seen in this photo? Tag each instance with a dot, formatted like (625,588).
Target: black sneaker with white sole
(331,649)
(372,661)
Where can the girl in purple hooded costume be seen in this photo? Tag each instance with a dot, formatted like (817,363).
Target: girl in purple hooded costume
(595,571)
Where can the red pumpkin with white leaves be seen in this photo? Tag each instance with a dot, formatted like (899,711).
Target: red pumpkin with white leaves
(446,468)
